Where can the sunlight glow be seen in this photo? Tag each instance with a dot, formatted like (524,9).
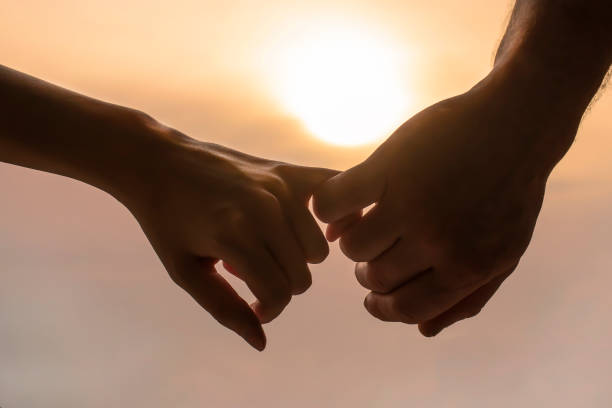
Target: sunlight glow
(344,83)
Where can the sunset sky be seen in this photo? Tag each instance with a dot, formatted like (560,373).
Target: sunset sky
(89,317)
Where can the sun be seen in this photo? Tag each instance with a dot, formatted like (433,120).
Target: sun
(346,84)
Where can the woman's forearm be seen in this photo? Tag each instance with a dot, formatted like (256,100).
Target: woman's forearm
(196,202)
(48,128)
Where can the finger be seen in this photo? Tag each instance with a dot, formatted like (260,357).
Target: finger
(304,180)
(263,276)
(309,234)
(287,252)
(336,229)
(200,279)
(465,309)
(348,192)
(376,232)
(402,262)
(422,298)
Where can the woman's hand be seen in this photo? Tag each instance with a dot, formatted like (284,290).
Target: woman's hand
(199,203)
(196,202)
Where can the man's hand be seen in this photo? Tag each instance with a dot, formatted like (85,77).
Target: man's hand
(458,188)
(455,210)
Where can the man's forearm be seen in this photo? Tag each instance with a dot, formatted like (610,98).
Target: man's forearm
(551,62)
(48,128)
(568,40)
(560,28)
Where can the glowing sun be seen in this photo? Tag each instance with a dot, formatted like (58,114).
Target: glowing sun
(345,84)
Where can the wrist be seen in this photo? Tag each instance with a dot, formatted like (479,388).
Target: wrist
(133,150)
(542,98)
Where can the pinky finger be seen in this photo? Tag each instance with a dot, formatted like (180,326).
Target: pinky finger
(465,309)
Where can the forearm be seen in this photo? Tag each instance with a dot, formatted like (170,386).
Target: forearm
(51,129)
(551,62)
(566,45)
(558,29)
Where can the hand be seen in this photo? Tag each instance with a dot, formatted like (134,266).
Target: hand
(199,203)
(458,189)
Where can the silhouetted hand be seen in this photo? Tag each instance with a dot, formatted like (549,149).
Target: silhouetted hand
(201,203)
(458,189)
(197,202)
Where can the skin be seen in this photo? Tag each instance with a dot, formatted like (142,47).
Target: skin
(197,202)
(458,188)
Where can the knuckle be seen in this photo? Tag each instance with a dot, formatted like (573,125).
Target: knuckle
(284,170)
(279,294)
(228,238)
(277,186)
(472,312)
(302,285)
(352,249)
(319,252)
(373,307)
(376,280)
(360,275)
(313,244)
(267,202)
(139,118)
(404,309)
(283,298)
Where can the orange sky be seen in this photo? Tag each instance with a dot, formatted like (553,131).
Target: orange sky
(89,318)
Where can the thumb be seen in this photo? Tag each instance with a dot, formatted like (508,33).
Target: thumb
(304,180)
(349,192)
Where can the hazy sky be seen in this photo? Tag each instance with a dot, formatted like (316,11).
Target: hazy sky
(89,318)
